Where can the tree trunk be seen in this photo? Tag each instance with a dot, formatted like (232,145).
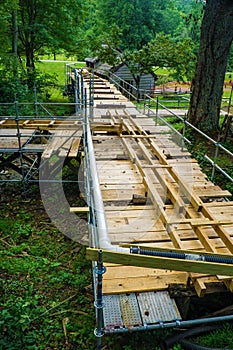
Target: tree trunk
(30,64)
(27,33)
(207,85)
(15,42)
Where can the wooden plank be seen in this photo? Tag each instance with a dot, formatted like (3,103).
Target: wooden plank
(185,188)
(74,148)
(199,286)
(64,148)
(146,237)
(223,234)
(140,224)
(128,208)
(162,263)
(205,240)
(214,193)
(52,143)
(79,210)
(123,186)
(120,194)
(220,204)
(121,271)
(138,136)
(182,236)
(141,284)
(200,222)
(229,285)
(65,142)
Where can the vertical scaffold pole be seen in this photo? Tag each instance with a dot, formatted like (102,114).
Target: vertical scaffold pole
(91,102)
(157,110)
(99,270)
(229,102)
(76,93)
(215,160)
(19,143)
(184,130)
(35,100)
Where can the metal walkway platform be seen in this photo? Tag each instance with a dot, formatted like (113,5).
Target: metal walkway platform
(142,309)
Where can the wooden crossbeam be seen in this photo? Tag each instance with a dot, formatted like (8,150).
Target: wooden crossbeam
(74,148)
(200,222)
(79,210)
(222,233)
(183,187)
(138,136)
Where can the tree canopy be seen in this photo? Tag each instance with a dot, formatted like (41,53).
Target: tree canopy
(37,25)
(137,20)
(144,34)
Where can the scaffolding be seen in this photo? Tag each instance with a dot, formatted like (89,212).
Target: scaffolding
(27,142)
(29,158)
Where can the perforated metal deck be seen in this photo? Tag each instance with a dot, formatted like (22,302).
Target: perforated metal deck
(157,306)
(133,310)
(112,312)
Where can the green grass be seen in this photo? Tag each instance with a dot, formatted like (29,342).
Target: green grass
(221,338)
(45,292)
(61,57)
(57,70)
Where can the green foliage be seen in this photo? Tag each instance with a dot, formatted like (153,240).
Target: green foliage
(44,286)
(230,60)
(192,16)
(221,338)
(133,18)
(176,55)
(138,21)
(163,51)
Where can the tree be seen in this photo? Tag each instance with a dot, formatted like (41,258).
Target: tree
(137,20)
(8,30)
(48,24)
(162,51)
(193,20)
(207,85)
(176,55)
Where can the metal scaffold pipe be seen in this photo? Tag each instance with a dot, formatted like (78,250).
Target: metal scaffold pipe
(101,228)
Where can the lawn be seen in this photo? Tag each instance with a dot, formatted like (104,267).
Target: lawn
(57,69)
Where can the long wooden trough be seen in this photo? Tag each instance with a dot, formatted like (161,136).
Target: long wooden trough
(155,196)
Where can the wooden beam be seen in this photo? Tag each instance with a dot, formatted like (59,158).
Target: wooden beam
(223,234)
(138,136)
(173,250)
(161,262)
(200,222)
(74,147)
(79,210)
